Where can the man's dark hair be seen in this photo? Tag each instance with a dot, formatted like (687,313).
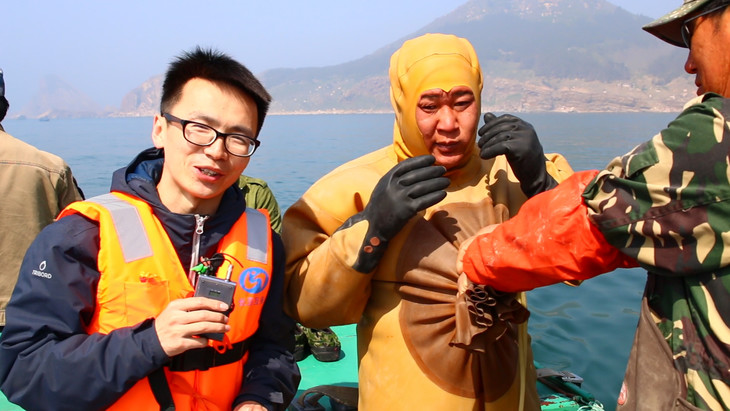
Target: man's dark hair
(4,106)
(217,67)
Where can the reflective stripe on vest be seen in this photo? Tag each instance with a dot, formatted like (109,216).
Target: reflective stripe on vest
(136,245)
(132,235)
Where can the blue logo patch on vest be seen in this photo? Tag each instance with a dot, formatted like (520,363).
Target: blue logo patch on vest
(254,280)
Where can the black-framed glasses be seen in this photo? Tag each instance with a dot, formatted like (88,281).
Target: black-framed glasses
(239,145)
(687,27)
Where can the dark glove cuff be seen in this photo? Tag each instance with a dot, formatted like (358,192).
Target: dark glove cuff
(373,246)
(538,185)
(372,250)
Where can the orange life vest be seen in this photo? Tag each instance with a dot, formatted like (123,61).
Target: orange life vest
(141,273)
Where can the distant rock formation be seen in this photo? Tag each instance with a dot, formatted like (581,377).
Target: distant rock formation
(57,99)
(144,100)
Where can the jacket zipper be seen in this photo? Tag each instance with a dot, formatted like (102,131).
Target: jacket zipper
(195,255)
(193,276)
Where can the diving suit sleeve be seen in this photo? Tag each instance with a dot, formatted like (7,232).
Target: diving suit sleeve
(325,233)
(412,185)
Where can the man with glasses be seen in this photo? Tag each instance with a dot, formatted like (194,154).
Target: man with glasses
(167,291)
(663,206)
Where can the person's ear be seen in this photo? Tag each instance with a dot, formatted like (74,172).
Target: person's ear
(159,131)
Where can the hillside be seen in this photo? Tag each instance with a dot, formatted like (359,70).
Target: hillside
(57,99)
(536,55)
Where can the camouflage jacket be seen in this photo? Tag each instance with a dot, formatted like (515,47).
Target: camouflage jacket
(667,204)
(258,194)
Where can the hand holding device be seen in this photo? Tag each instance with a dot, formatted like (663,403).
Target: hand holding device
(182,321)
(221,289)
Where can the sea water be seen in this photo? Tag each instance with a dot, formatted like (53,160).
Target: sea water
(587,330)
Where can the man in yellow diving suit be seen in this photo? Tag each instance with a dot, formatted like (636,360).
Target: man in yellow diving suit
(375,242)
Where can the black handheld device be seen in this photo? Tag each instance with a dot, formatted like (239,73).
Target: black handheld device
(218,289)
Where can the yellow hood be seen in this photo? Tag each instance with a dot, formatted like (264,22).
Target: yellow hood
(431,61)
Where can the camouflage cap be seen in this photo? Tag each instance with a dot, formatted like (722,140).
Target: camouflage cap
(669,26)
(2,84)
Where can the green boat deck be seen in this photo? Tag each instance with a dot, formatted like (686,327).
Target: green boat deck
(6,405)
(344,372)
(341,372)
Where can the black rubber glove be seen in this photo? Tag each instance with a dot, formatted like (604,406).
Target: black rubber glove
(412,185)
(517,140)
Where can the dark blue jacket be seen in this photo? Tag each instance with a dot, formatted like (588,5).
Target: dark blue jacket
(48,361)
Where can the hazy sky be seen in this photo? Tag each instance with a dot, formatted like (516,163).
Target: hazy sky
(105,48)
